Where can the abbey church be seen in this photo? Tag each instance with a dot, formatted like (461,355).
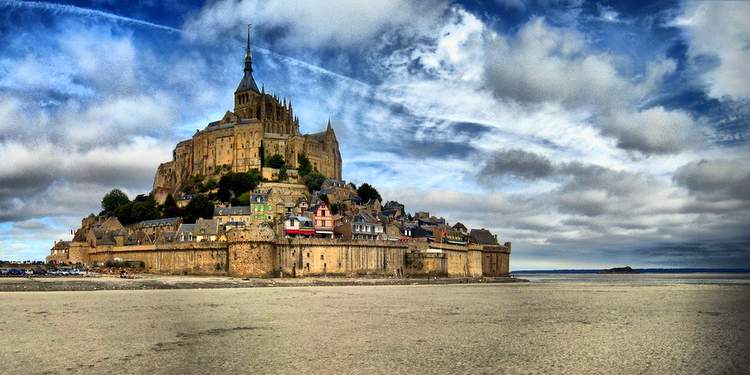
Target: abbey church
(259,126)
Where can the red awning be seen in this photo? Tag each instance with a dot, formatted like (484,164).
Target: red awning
(306,232)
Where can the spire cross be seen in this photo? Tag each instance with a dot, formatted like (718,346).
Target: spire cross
(248,57)
(249,26)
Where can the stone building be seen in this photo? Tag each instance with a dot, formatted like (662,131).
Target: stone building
(260,126)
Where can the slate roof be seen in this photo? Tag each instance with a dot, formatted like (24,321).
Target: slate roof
(204,227)
(303,220)
(459,226)
(247,83)
(235,210)
(161,222)
(419,232)
(483,237)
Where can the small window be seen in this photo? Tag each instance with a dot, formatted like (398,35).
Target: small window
(322,257)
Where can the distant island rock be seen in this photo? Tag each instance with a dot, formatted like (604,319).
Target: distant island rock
(625,269)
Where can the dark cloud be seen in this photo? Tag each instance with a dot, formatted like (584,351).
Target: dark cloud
(715,179)
(470,129)
(516,163)
(31,225)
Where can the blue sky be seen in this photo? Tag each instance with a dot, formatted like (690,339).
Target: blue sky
(590,134)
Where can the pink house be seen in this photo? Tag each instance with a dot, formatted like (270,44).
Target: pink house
(323,220)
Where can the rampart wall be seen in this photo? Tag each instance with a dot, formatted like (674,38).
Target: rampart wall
(195,258)
(256,252)
(305,257)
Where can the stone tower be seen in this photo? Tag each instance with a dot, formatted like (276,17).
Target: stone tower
(247,95)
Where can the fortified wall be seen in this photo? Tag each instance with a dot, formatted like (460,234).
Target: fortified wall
(256,252)
(187,258)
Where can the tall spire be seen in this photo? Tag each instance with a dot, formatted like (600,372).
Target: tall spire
(248,82)
(248,56)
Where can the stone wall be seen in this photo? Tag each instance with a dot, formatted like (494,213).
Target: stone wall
(305,257)
(426,264)
(195,258)
(256,252)
(438,259)
(251,252)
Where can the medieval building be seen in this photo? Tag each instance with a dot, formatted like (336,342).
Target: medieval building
(259,126)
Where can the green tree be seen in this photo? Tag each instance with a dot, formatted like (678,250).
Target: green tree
(324,198)
(170,208)
(146,209)
(124,213)
(234,184)
(283,176)
(244,198)
(143,207)
(366,192)
(338,208)
(210,184)
(113,200)
(199,207)
(275,161)
(304,167)
(314,180)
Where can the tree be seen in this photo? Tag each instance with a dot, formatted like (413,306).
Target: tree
(170,208)
(145,210)
(283,176)
(366,192)
(314,180)
(276,161)
(143,207)
(244,198)
(338,208)
(210,184)
(237,183)
(304,167)
(114,199)
(324,198)
(199,207)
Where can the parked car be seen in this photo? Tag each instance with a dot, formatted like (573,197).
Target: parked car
(16,272)
(40,271)
(3,272)
(28,272)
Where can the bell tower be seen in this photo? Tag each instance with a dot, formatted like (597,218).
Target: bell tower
(246,97)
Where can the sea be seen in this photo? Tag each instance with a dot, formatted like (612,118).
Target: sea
(648,276)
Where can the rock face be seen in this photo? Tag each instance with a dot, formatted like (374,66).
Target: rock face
(625,269)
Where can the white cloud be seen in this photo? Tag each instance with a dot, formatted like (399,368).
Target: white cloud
(652,131)
(543,64)
(312,23)
(106,60)
(720,29)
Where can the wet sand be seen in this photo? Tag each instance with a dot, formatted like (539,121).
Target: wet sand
(151,281)
(519,328)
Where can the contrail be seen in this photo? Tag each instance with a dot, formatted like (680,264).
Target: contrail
(87,12)
(311,67)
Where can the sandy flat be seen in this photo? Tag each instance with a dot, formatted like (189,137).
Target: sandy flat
(571,328)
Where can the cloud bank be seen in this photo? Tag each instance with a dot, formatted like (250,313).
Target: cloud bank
(538,123)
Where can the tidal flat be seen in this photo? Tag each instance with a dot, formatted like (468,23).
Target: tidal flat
(550,327)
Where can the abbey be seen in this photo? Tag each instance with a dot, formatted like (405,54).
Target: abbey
(259,126)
